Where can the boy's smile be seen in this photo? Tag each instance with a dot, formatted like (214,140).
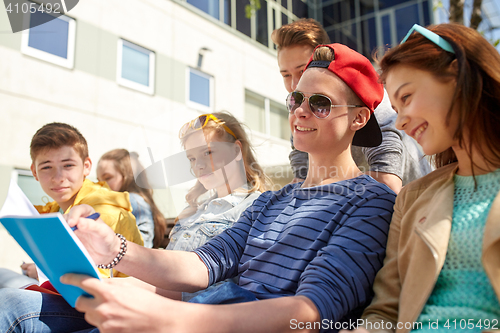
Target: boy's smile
(314,135)
(61,173)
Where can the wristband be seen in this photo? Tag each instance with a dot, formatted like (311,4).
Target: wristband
(119,256)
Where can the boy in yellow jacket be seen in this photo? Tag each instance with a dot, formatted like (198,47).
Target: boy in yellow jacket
(60,162)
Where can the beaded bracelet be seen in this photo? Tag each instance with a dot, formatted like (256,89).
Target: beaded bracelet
(119,256)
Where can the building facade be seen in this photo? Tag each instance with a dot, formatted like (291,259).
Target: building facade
(129,73)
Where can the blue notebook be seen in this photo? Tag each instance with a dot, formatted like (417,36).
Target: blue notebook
(54,248)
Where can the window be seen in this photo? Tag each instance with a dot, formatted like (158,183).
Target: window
(279,125)
(136,67)
(200,90)
(255,112)
(363,26)
(30,187)
(266,116)
(255,21)
(211,7)
(52,41)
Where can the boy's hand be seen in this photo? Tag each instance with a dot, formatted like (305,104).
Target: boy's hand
(121,307)
(99,239)
(29,269)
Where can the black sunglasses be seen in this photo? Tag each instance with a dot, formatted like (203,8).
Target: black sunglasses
(320,105)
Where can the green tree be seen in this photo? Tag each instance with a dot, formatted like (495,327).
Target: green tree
(251,8)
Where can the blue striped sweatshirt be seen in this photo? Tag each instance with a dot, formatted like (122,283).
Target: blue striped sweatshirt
(324,242)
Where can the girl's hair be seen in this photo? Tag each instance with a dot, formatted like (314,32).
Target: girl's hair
(126,163)
(256,178)
(477,93)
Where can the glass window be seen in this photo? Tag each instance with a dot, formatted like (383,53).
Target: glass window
(349,36)
(52,41)
(227,12)
(369,32)
(242,22)
(255,112)
(261,14)
(330,15)
(425,7)
(338,12)
(386,30)
(31,187)
(299,8)
(211,7)
(135,67)
(405,18)
(284,19)
(273,19)
(266,116)
(280,127)
(386,26)
(200,90)
(366,7)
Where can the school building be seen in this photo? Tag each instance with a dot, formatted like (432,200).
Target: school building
(129,73)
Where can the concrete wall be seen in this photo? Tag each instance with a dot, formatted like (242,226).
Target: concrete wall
(34,92)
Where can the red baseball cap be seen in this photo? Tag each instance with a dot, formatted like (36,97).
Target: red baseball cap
(358,73)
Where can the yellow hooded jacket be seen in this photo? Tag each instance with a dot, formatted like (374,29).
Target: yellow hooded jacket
(115,210)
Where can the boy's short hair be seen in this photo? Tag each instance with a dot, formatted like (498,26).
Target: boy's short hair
(301,32)
(57,135)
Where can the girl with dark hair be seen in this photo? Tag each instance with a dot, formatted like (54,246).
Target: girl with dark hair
(441,272)
(116,167)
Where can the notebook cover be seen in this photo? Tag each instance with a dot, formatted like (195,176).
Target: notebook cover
(54,247)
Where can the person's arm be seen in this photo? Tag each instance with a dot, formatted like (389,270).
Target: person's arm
(149,287)
(299,162)
(171,270)
(144,218)
(339,279)
(121,308)
(394,182)
(387,286)
(29,269)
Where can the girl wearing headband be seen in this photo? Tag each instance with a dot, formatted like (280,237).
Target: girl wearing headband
(441,272)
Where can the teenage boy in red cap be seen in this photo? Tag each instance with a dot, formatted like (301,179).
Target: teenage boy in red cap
(319,243)
(397,161)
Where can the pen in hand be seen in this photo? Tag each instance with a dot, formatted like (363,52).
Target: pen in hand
(94,216)
(25,272)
